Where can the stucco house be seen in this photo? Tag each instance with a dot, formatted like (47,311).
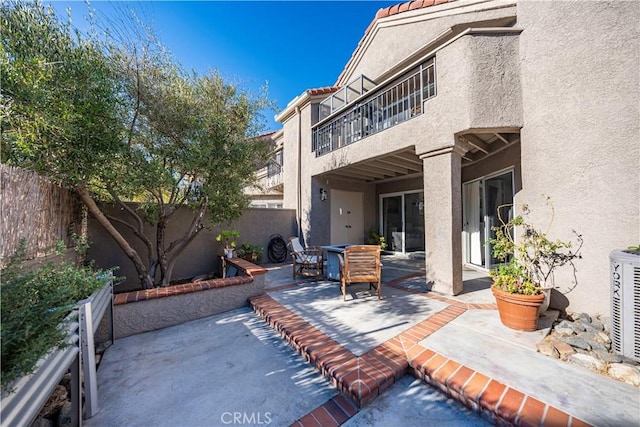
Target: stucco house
(448,109)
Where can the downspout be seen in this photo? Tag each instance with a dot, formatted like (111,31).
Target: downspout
(299,173)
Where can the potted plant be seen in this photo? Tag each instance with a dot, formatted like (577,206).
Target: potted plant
(523,282)
(228,238)
(375,238)
(250,252)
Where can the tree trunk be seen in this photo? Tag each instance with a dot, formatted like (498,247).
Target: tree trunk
(145,279)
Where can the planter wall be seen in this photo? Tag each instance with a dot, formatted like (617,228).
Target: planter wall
(518,311)
(143,311)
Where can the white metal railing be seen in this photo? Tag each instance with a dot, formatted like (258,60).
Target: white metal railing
(385,107)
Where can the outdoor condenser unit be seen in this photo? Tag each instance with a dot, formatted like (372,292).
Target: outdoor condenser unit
(625,303)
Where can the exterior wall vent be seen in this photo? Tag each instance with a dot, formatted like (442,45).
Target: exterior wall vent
(625,303)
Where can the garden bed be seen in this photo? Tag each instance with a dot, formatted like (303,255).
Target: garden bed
(142,311)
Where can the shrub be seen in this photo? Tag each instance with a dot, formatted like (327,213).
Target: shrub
(34,305)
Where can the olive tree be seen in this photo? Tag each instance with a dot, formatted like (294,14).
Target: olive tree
(120,122)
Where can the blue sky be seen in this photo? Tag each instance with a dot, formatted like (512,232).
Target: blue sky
(292,45)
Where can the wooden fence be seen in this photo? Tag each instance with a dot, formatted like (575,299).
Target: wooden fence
(37,210)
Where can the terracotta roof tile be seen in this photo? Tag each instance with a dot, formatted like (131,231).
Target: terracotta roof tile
(322,90)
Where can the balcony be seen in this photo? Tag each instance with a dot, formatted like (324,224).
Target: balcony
(374,110)
(274,171)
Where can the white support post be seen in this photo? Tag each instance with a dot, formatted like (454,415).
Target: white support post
(88,360)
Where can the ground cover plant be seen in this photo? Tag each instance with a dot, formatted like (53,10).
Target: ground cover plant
(34,304)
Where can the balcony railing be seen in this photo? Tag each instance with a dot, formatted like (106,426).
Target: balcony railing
(274,170)
(385,107)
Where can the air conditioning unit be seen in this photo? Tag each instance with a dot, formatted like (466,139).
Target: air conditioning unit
(625,303)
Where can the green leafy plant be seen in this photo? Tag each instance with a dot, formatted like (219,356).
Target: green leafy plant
(375,238)
(530,261)
(250,252)
(228,238)
(34,305)
(112,116)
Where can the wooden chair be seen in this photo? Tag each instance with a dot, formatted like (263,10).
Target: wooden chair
(361,264)
(306,261)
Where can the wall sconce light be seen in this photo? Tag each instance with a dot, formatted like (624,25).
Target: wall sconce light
(323,194)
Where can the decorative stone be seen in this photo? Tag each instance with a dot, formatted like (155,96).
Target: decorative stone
(547,348)
(598,346)
(623,372)
(575,326)
(592,326)
(564,349)
(604,337)
(606,322)
(581,316)
(577,342)
(587,361)
(606,356)
(563,332)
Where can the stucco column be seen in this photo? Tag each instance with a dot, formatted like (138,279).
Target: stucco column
(443,220)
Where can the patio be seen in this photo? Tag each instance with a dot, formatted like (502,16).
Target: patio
(233,369)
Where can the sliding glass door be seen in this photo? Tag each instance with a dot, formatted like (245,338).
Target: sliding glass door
(483,201)
(402,221)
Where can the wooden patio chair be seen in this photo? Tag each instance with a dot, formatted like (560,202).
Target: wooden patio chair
(361,264)
(306,261)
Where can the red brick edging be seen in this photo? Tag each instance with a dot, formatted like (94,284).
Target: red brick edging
(247,267)
(363,378)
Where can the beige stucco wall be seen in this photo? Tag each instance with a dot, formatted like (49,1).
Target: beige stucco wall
(149,315)
(202,255)
(580,140)
(396,37)
(566,74)
(478,87)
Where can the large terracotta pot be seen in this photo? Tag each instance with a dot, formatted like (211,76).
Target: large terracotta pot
(518,311)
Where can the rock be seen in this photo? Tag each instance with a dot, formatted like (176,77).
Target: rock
(548,349)
(563,331)
(606,322)
(598,346)
(606,356)
(588,361)
(564,349)
(576,342)
(604,338)
(575,327)
(65,417)
(592,326)
(42,422)
(623,372)
(581,317)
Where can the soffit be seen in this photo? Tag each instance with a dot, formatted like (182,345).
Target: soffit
(393,166)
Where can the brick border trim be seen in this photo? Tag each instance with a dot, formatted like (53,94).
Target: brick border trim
(187,288)
(361,379)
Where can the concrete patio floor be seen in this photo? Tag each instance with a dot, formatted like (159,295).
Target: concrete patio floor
(211,370)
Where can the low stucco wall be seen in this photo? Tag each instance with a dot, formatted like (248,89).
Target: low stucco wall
(143,311)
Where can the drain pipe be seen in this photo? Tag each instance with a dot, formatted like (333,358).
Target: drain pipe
(299,173)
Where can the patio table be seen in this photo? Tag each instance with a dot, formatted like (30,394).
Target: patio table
(333,265)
